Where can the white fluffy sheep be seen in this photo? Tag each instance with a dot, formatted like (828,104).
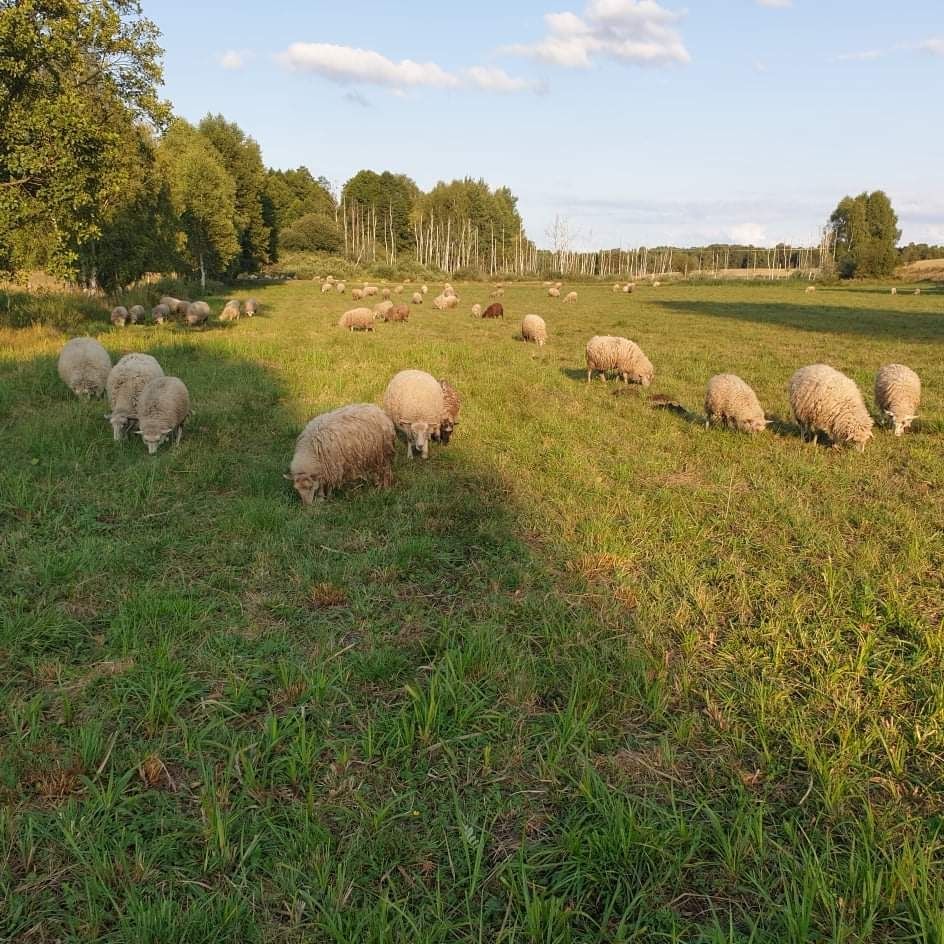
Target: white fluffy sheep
(357,294)
(386,294)
(417,298)
(170,302)
(730,402)
(163,408)
(381,309)
(414,402)
(230,311)
(917,291)
(810,289)
(617,287)
(476,311)
(824,400)
(398,290)
(553,292)
(424,289)
(605,352)
(250,307)
(119,316)
(84,366)
(445,302)
(137,314)
(629,288)
(340,287)
(357,319)
(570,297)
(197,313)
(898,395)
(350,444)
(326,287)
(534,329)
(450,417)
(160,313)
(370,290)
(125,382)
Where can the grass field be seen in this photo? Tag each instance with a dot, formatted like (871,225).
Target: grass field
(592,673)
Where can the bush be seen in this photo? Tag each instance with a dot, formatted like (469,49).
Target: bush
(313,232)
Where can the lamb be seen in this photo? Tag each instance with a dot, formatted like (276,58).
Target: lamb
(495,310)
(163,408)
(381,309)
(340,287)
(398,313)
(414,402)
(450,417)
(230,311)
(424,289)
(197,313)
(357,294)
(620,354)
(357,319)
(417,298)
(137,314)
(553,292)
(125,382)
(824,400)
(84,366)
(534,329)
(570,297)
(353,443)
(386,294)
(160,314)
(898,395)
(251,307)
(119,316)
(476,311)
(732,403)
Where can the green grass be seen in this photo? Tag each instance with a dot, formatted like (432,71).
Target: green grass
(590,674)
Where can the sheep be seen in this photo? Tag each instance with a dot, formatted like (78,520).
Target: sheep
(824,400)
(417,298)
(617,287)
(450,417)
(197,313)
(125,382)
(340,287)
(84,366)
(898,395)
(119,316)
(424,289)
(160,313)
(353,443)
(230,311)
(553,292)
(386,294)
(137,314)
(370,290)
(476,311)
(325,287)
(917,291)
(448,289)
(629,288)
(498,293)
(357,319)
(570,297)
(329,279)
(357,294)
(445,302)
(620,354)
(398,313)
(558,285)
(534,329)
(251,307)
(182,307)
(398,290)
(381,309)
(810,289)
(170,302)
(495,310)
(414,402)
(732,403)
(163,408)
(656,284)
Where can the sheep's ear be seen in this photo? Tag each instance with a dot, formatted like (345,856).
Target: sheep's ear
(290,478)
(769,422)
(138,432)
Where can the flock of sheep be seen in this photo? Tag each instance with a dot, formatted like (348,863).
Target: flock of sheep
(193,314)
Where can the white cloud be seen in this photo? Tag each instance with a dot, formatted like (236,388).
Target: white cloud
(493,79)
(776,4)
(748,234)
(234,59)
(934,46)
(630,31)
(866,55)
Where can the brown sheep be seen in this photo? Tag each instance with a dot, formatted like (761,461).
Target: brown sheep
(494,310)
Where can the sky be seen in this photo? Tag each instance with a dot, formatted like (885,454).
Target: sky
(638,122)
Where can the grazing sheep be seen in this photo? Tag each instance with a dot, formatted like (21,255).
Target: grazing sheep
(381,309)
(629,288)
(137,314)
(329,279)
(325,287)
(251,307)
(357,319)
(414,401)
(445,302)
(894,291)
(617,287)
(386,294)
(160,313)
(605,352)
(183,306)
(898,395)
(558,285)
(824,400)
(553,292)
(730,402)
(119,316)
(810,289)
(351,444)
(340,287)
(450,417)
(398,313)
(84,366)
(476,311)
(534,329)
(357,294)
(370,291)
(197,313)
(417,298)
(448,289)
(163,408)
(125,382)
(495,310)
(656,284)
(398,290)
(570,297)
(424,289)
(498,293)
(917,291)
(230,311)
(170,302)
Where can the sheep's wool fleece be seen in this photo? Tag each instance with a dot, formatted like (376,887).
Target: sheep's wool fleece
(533,328)
(128,379)
(824,399)
(898,391)
(729,400)
(413,396)
(84,366)
(163,405)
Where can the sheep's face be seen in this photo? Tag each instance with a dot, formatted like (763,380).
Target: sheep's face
(900,423)
(445,431)
(757,425)
(120,424)
(86,390)
(307,486)
(153,439)
(419,438)
(861,438)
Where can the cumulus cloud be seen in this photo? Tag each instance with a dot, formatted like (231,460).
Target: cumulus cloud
(233,59)
(493,79)
(630,31)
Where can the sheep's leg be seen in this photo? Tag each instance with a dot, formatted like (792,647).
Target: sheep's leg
(589,373)
(179,434)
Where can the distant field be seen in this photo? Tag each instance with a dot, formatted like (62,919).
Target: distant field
(590,674)
(932,269)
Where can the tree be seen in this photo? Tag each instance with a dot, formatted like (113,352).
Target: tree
(76,76)
(294,194)
(392,196)
(866,235)
(313,232)
(203,195)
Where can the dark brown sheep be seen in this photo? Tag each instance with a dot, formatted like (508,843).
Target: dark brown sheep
(494,310)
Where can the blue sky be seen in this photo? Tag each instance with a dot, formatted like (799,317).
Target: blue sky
(641,122)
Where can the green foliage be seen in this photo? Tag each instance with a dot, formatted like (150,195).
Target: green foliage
(313,232)
(866,232)
(490,212)
(392,196)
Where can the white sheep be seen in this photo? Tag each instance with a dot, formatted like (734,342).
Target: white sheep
(605,352)
(163,408)
(824,400)
(250,307)
(353,443)
(197,313)
(424,289)
(357,319)
(370,290)
(160,313)
(499,292)
(810,289)
(381,309)
(357,294)
(386,294)
(917,291)
(326,287)
(898,395)
(656,284)
(617,287)
(445,302)
(340,287)
(84,366)
(629,288)
(119,316)
(137,314)
(173,304)
(414,402)
(417,298)
(894,291)
(570,297)
(125,382)
(730,402)
(534,329)
(398,290)
(476,311)
(230,311)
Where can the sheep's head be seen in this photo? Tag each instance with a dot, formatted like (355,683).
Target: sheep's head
(901,423)
(152,439)
(446,429)
(307,486)
(757,425)
(120,424)
(860,438)
(419,438)
(85,389)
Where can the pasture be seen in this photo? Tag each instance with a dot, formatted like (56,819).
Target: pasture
(590,674)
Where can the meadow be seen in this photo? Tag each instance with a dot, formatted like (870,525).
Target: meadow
(592,673)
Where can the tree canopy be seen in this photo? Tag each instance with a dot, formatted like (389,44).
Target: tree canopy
(867,234)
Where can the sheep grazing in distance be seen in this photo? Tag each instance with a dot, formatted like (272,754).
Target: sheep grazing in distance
(370,291)
(656,284)
(386,294)
(329,279)
(629,288)
(251,307)
(326,287)
(340,287)
(810,289)
(898,395)
(398,313)
(351,444)
(398,290)
(445,302)
(534,329)
(160,313)
(197,313)
(917,291)
(450,417)
(137,314)
(119,316)
(170,303)
(499,292)
(553,292)
(570,297)
(476,311)
(824,400)
(125,382)
(163,408)
(414,402)
(448,289)
(424,289)
(617,287)
(381,309)
(730,402)
(230,311)
(417,298)
(84,366)
(558,285)
(357,319)
(357,294)
(495,310)
(605,352)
